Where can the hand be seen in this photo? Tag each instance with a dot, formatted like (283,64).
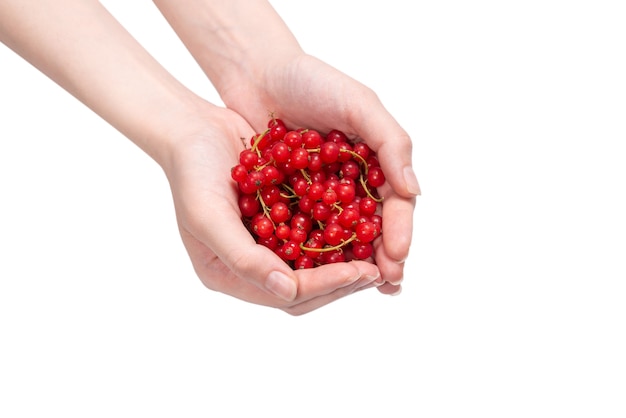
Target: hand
(222,251)
(258,69)
(306,92)
(196,144)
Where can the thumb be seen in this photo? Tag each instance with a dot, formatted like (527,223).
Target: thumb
(256,264)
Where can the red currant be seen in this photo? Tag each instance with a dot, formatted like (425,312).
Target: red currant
(329,152)
(291,250)
(280,212)
(303,262)
(336,136)
(310,198)
(333,234)
(299,158)
(239,173)
(362,250)
(280,152)
(311,139)
(248,159)
(375,177)
(293,139)
(263,227)
(366,231)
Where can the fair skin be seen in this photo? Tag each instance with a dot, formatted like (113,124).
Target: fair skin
(80,46)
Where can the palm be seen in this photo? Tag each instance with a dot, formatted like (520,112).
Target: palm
(304,92)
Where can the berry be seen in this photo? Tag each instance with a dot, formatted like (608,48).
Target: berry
(362,250)
(329,197)
(345,192)
(280,212)
(366,231)
(291,250)
(367,206)
(248,205)
(303,262)
(321,211)
(280,152)
(293,139)
(376,177)
(269,195)
(239,173)
(277,130)
(257,179)
(329,152)
(350,169)
(263,227)
(282,232)
(336,136)
(311,139)
(248,159)
(299,158)
(362,150)
(333,234)
(309,197)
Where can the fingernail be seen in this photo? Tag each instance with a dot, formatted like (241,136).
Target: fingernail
(376,279)
(412,185)
(281,285)
(397,292)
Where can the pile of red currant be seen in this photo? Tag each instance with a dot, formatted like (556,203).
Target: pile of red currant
(309,197)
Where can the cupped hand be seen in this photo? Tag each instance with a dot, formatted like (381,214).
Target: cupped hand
(305,92)
(222,251)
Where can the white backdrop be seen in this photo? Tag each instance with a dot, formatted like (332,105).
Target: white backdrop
(513,303)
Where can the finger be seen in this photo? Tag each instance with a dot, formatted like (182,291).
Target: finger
(397,233)
(224,233)
(390,289)
(218,277)
(392,145)
(391,270)
(325,279)
(329,283)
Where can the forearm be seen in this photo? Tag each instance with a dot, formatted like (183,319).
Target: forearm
(80,46)
(230,39)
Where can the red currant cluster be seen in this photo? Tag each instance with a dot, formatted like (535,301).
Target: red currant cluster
(310,198)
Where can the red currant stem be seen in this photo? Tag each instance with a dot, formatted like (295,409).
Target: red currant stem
(262,166)
(327,249)
(358,157)
(338,207)
(257,141)
(367,190)
(266,210)
(306,176)
(320,224)
(292,191)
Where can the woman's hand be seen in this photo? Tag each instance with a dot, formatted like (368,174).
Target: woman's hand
(195,142)
(305,92)
(223,252)
(258,67)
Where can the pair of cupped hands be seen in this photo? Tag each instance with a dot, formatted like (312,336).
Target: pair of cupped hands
(304,92)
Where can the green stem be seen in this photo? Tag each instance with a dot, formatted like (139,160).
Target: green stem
(367,190)
(258,139)
(266,210)
(327,249)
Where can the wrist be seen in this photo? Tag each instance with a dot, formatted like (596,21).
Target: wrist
(231,39)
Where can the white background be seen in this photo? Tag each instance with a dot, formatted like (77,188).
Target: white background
(514,295)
